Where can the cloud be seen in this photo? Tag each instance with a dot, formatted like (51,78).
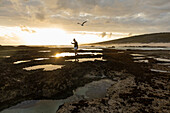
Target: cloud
(130,34)
(103,34)
(10,40)
(111,15)
(26,29)
(40,16)
(109,35)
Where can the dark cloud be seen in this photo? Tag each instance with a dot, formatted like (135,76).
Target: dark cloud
(40,16)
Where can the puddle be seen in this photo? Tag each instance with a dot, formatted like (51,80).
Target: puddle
(164,64)
(151,57)
(121,52)
(141,61)
(137,55)
(73,54)
(141,48)
(5,56)
(160,71)
(136,58)
(45,51)
(64,54)
(162,59)
(35,106)
(22,61)
(86,59)
(90,53)
(95,89)
(41,59)
(92,49)
(47,67)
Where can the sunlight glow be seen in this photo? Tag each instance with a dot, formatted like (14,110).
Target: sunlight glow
(45,37)
(23,35)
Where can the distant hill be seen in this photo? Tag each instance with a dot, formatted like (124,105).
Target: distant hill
(146,38)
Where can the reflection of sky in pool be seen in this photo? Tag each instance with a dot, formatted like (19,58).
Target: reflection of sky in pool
(41,59)
(162,59)
(165,64)
(73,54)
(46,67)
(22,61)
(45,51)
(138,58)
(86,59)
(141,61)
(137,55)
(142,48)
(161,71)
(95,89)
(5,56)
(92,49)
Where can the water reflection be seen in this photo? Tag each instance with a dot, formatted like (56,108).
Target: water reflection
(45,51)
(64,54)
(161,71)
(41,59)
(141,61)
(5,56)
(162,59)
(22,61)
(164,64)
(95,89)
(85,59)
(141,48)
(73,54)
(138,58)
(92,49)
(137,55)
(46,67)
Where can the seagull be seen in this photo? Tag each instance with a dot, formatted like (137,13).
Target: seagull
(82,24)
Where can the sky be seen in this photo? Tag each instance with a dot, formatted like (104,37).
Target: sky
(52,22)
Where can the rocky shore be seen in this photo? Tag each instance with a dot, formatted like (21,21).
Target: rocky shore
(136,87)
(138,90)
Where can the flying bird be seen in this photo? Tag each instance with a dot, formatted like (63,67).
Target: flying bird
(82,24)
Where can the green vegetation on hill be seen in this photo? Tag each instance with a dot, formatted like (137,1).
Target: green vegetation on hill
(146,38)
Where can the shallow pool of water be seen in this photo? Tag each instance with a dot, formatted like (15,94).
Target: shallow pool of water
(160,71)
(164,64)
(73,54)
(5,56)
(85,59)
(41,59)
(46,67)
(92,49)
(142,48)
(95,89)
(22,61)
(162,59)
(141,61)
(138,58)
(137,55)
(45,51)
